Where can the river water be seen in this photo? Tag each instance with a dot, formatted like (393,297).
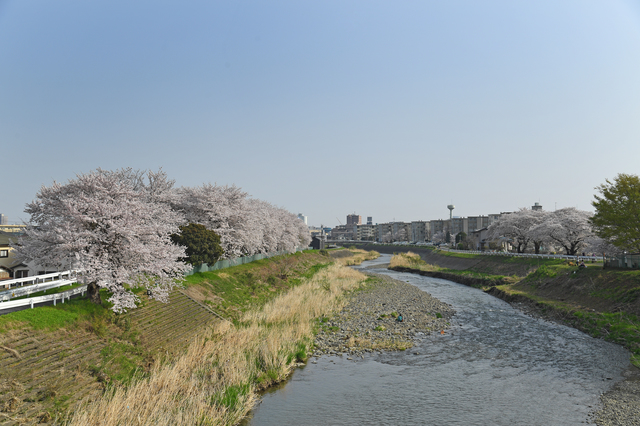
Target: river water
(494,366)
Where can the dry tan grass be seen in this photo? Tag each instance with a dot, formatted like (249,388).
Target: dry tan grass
(358,257)
(192,389)
(411,260)
(198,293)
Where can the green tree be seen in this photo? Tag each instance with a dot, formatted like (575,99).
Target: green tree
(461,237)
(617,217)
(202,245)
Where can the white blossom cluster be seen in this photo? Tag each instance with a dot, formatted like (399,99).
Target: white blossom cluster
(115,226)
(246,226)
(567,229)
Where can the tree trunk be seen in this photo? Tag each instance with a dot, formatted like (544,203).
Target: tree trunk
(93,291)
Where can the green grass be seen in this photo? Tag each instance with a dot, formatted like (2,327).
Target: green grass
(462,255)
(232,396)
(52,318)
(620,327)
(121,361)
(617,294)
(244,287)
(532,261)
(56,290)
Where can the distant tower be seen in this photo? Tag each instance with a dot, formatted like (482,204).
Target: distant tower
(3,220)
(536,206)
(369,220)
(451,207)
(302,218)
(354,219)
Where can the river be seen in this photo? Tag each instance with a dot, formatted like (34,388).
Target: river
(494,366)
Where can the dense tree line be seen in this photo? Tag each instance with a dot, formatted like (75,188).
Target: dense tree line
(566,229)
(124,227)
(614,227)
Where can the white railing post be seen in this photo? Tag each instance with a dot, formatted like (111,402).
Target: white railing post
(31,303)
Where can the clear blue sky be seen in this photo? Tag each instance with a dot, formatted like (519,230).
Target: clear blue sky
(387,109)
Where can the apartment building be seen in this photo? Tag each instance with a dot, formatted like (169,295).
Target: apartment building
(366,232)
(420,231)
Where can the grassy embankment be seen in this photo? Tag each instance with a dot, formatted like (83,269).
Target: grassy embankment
(121,353)
(215,381)
(475,276)
(604,303)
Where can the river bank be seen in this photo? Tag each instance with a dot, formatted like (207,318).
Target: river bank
(561,294)
(621,404)
(494,365)
(368,321)
(217,379)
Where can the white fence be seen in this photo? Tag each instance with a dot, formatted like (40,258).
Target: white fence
(21,287)
(35,288)
(31,301)
(7,284)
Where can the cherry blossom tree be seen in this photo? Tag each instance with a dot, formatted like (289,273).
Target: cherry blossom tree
(386,238)
(521,227)
(114,226)
(246,226)
(439,237)
(569,228)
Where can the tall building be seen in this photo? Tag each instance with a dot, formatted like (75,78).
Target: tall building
(369,220)
(4,220)
(419,231)
(303,218)
(536,206)
(354,219)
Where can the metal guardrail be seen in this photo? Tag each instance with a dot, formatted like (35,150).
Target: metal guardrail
(35,279)
(25,291)
(31,301)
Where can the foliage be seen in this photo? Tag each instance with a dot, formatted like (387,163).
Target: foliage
(617,217)
(202,245)
(246,226)
(216,380)
(618,327)
(461,237)
(521,228)
(240,288)
(570,228)
(114,226)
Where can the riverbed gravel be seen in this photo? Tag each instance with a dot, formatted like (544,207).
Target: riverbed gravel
(621,404)
(368,322)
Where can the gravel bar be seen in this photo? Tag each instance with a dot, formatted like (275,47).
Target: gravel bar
(368,321)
